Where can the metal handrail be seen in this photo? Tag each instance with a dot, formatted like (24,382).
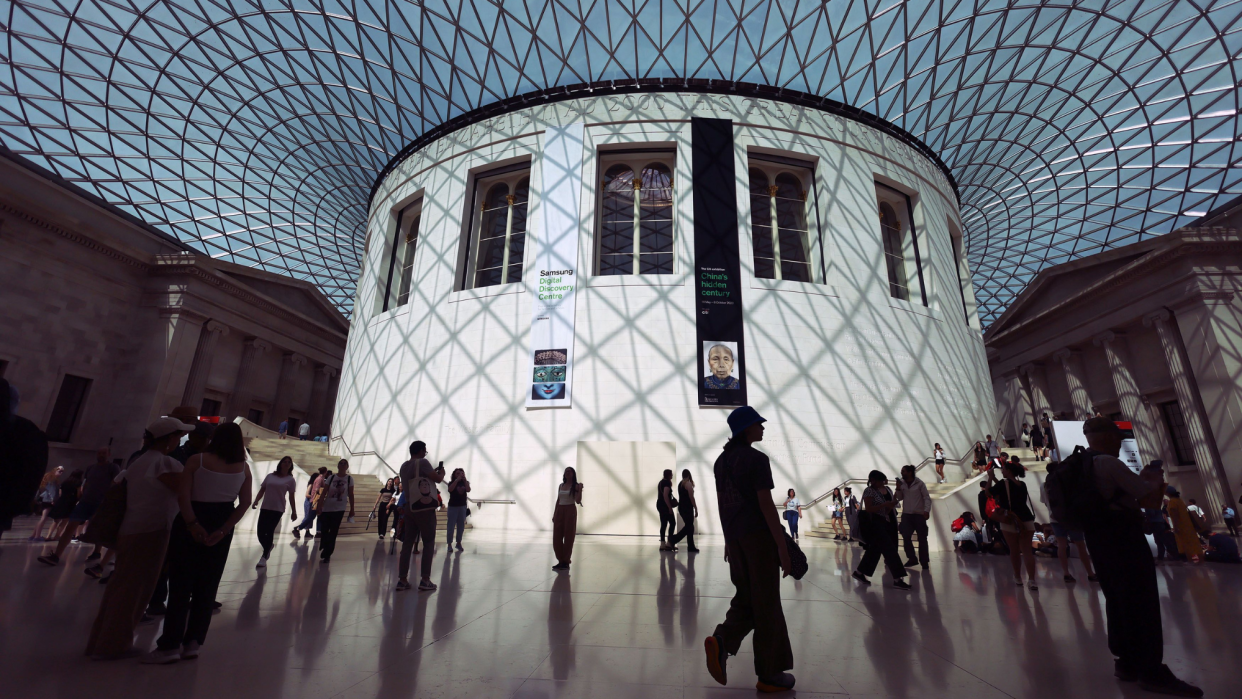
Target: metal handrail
(967,458)
(364,453)
(481,503)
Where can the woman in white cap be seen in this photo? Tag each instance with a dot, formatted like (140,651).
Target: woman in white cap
(151,483)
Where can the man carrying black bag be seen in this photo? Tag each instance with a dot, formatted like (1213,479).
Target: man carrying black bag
(1095,491)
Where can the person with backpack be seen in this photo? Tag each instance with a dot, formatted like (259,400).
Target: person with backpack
(338,494)
(967,534)
(418,479)
(1065,536)
(1017,522)
(1095,490)
(758,557)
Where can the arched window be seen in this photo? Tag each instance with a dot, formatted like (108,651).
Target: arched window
(636,216)
(894,255)
(499,235)
(781,251)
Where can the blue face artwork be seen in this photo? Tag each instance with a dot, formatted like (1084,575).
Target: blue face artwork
(548,391)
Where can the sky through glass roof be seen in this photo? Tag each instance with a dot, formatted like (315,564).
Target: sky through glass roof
(254,130)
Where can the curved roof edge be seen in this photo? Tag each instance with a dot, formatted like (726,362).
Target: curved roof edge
(691,85)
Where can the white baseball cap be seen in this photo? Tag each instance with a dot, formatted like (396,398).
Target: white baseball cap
(164,426)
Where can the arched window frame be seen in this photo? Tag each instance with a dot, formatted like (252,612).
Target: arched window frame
(397,266)
(766,196)
(656,254)
(511,207)
(909,260)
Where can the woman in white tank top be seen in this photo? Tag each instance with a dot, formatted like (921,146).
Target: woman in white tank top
(214,495)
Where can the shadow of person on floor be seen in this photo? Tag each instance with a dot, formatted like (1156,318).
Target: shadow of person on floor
(688,605)
(448,594)
(933,636)
(561,628)
(399,657)
(248,611)
(890,635)
(317,620)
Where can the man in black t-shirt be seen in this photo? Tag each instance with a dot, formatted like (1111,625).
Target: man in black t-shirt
(664,505)
(756,551)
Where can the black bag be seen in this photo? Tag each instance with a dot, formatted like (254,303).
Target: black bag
(1073,497)
(104,527)
(797,560)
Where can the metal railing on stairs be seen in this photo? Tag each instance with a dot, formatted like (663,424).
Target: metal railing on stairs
(967,458)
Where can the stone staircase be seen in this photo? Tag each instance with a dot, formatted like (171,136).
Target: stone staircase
(308,457)
(940,491)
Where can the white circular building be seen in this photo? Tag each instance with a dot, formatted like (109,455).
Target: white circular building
(595,278)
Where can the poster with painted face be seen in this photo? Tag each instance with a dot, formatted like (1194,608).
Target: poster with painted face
(549,374)
(720,365)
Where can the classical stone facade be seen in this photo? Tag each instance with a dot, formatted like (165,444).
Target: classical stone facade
(108,323)
(1150,333)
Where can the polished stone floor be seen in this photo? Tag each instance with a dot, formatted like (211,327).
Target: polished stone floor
(626,622)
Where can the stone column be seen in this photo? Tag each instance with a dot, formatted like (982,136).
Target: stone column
(1071,363)
(1128,393)
(1207,459)
(200,369)
(239,399)
(319,415)
(1038,380)
(288,371)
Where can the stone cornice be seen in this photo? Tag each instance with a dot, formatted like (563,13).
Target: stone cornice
(1209,241)
(74,237)
(190,265)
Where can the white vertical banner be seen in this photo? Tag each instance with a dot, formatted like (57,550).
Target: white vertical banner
(554,272)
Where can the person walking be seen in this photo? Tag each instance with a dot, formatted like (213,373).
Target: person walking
(337,497)
(1017,521)
(1026,435)
(1228,515)
(95,483)
(23,458)
(938,458)
(665,505)
(1066,535)
(213,495)
(1184,532)
(308,505)
(383,502)
(688,508)
(879,531)
(457,508)
(981,458)
(304,431)
(915,513)
(758,558)
(793,512)
(44,497)
(851,516)
(418,480)
(992,447)
(276,486)
(836,507)
(66,500)
(151,486)
(565,518)
(1114,532)
(283,429)
(1037,442)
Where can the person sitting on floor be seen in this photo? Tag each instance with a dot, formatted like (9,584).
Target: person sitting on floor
(1221,548)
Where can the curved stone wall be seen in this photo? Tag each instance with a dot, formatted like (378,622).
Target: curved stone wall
(849,377)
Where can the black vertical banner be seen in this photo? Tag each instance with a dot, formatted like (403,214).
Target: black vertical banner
(721,371)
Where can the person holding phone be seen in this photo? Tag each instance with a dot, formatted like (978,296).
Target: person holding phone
(879,532)
(1017,521)
(339,492)
(565,518)
(419,480)
(1124,564)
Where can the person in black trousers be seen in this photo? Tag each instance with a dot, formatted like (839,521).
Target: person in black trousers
(688,508)
(879,529)
(1123,562)
(199,546)
(664,505)
(757,554)
(339,496)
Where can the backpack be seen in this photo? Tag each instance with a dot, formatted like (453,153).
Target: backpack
(1073,497)
(104,526)
(958,525)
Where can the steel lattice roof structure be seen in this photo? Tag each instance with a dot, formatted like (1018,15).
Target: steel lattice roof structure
(254,130)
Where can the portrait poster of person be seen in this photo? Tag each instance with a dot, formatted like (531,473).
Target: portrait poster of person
(720,365)
(551,367)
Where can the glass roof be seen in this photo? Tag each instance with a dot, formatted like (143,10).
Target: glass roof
(253,130)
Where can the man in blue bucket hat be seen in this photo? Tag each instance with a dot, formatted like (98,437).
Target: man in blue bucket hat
(755,550)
